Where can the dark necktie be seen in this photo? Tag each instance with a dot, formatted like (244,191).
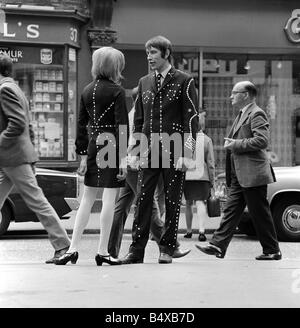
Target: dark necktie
(158,81)
(237,120)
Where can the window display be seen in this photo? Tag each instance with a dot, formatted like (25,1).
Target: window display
(42,76)
(47,111)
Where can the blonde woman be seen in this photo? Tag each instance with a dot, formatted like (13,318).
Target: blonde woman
(102,113)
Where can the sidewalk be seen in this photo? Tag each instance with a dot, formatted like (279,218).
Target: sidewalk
(94,225)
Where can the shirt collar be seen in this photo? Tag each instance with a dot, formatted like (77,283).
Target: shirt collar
(164,72)
(246,107)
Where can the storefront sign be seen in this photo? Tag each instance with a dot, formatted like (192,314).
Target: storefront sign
(32,29)
(46,56)
(14,54)
(292,27)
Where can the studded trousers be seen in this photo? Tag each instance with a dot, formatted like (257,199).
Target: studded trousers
(173,186)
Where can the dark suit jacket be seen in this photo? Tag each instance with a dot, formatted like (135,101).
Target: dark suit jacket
(172,109)
(16,148)
(251,162)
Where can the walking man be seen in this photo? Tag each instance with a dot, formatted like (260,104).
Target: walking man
(17,157)
(248,173)
(166,105)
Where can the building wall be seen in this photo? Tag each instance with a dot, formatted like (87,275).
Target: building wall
(80,5)
(214,23)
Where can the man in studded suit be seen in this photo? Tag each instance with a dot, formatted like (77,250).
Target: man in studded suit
(166,106)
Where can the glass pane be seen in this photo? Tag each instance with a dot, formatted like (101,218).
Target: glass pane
(39,72)
(277,80)
(72,103)
(189,63)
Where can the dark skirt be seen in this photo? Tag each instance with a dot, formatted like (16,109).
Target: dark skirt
(98,177)
(196,190)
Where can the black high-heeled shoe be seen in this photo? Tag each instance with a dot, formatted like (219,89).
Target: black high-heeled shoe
(100,259)
(67,257)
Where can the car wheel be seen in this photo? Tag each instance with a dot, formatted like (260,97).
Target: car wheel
(286,216)
(5,218)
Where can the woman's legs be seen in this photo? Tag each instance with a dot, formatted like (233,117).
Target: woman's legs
(189,215)
(201,214)
(106,218)
(82,216)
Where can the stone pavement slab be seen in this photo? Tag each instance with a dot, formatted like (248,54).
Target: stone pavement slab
(195,281)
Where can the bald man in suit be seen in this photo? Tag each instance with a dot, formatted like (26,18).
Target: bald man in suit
(248,173)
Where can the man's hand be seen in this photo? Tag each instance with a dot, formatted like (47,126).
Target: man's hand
(229,142)
(183,164)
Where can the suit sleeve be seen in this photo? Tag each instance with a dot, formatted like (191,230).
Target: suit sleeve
(82,139)
(190,116)
(259,135)
(210,161)
(15,114)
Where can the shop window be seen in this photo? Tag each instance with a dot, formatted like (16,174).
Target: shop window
(189,63)
(40,73)
(72,103)
(277,80)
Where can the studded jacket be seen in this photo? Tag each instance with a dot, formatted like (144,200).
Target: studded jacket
(102,110)
(172,109)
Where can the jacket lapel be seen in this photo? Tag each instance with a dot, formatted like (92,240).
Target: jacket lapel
(169,76)
(243,118)
(153,85)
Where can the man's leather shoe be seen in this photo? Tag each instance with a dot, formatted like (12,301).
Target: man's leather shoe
(131,258)
(57,255)
(212,250)
(269,257)
(180,253)
(165,258)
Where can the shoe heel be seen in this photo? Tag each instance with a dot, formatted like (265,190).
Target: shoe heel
(74,258)
(98,260)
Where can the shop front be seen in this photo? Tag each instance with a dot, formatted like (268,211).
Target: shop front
(44,47)
(221,43)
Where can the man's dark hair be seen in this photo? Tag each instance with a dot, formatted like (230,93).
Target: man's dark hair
(251,89)
(5,65)
(161,43)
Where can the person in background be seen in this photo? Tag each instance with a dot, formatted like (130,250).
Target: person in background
(198,191)
(248,173)
(17,158)
(102,110)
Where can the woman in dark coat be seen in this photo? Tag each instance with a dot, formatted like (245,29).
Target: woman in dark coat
(102,130)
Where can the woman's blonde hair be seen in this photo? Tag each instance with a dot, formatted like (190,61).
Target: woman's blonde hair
(109,63)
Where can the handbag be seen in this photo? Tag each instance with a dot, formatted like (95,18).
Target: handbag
(213,206)
(196,171)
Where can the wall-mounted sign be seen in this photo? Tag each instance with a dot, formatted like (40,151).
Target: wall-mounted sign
(36,30)
(46,56)
(292,27)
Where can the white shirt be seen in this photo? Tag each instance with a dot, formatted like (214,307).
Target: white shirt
(163,74)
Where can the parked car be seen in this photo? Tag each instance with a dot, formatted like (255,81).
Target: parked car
(60,188)
(284,199)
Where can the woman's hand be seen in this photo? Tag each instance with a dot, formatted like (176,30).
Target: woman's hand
(83,165)
(122,174)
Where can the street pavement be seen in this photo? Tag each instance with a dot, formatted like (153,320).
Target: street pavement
(195,281)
